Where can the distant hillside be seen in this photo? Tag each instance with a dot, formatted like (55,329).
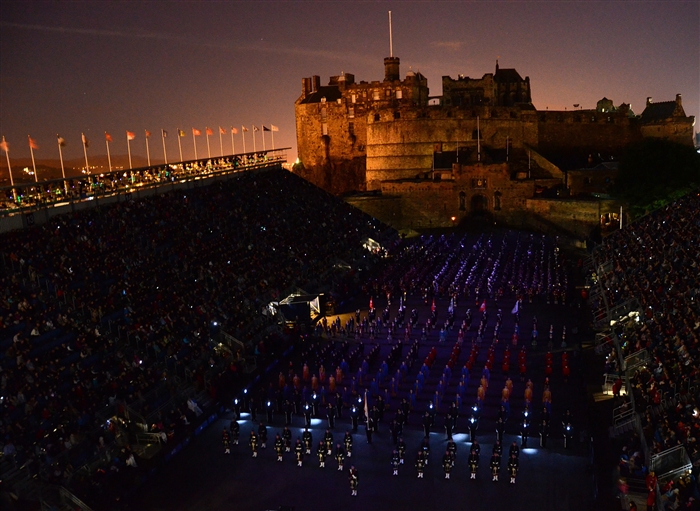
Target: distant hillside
(51,169)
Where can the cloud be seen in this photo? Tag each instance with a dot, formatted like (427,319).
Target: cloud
(447,45)
(228,46)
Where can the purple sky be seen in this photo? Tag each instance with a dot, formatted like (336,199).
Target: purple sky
(95,66)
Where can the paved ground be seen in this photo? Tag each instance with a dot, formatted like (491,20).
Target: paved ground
(203,478)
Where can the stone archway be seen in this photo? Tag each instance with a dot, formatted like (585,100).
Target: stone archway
(479,204)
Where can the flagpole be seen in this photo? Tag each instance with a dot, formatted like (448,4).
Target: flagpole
(165,153)
(254,148)
(9,168)
(221,143)
(128,148)
(194,140)
(179,143)
(31,151)
(63,170)
(109,157)
(87,165)
(478,139)
(148,153)
(233,146)
(243,135)
(272,134)
(206,132)
(262,131)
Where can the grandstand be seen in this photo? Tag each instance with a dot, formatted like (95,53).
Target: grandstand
(648,295)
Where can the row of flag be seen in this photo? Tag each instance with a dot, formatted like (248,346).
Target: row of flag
(130,135)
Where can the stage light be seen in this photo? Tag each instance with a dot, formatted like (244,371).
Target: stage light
(316,422)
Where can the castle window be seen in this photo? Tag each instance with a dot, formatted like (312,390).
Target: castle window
(399,94)
(351,112)
(479,183)
(324,129)
(375,95)
(397,115)
(376,117)
(354,98)
(387,93)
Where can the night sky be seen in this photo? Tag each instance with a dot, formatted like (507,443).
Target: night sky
(70,66)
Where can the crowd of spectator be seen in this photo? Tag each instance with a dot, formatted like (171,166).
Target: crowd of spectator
(655,260)
(107,305)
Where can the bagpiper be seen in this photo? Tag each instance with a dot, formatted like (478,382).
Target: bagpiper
(452,449)
(447,464)
(299,452)
(513,464)
(395,462)
(321,453)
(279,447)
(227,442)
(307,439)
(253,442)
(339,456)
(353,480)
(328,440)
(473,463)
(348,444)
(262,434)
(495,465)
(235,429)
(402,450)
(420,464)
(287,438)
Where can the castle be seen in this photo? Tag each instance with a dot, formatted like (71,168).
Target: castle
(481,147)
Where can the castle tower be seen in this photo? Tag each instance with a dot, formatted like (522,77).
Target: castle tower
(391,69)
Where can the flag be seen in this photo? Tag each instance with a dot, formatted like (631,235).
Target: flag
(148,134)
(483,307)
(196,132)
(366,408)
(164,133)
(222,130)
(86,142)
(108,137)
(515,309)
(265,128)
(234,130)
(180,132)
(255,128)
(209,131)
(371,304)
(130,135)
(244,129)
(432,307)
(61,141)
(273,128)
(33,144)
(4,145)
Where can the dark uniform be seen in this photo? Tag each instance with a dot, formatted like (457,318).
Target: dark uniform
(447,464)
(449,424)
(339,456)
(524,432)
(330,415)
(321,454)
(227,442)
(513,465)
(495,465)
(353,480)
(544,433)
(369,428)
(498,448)
(328,440)
(308,440)
(395,462)
(354,417)
(514,450)
(420,464)
(427,422)
(235,431)
(473,426)
(299,452)
(253,442)
(500,429)
(279,447)
(287,437)
(452,449)
(262,434)
(402,450)
(348,444)
(473,463)
(307,415)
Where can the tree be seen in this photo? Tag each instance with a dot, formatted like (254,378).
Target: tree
(655,172)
